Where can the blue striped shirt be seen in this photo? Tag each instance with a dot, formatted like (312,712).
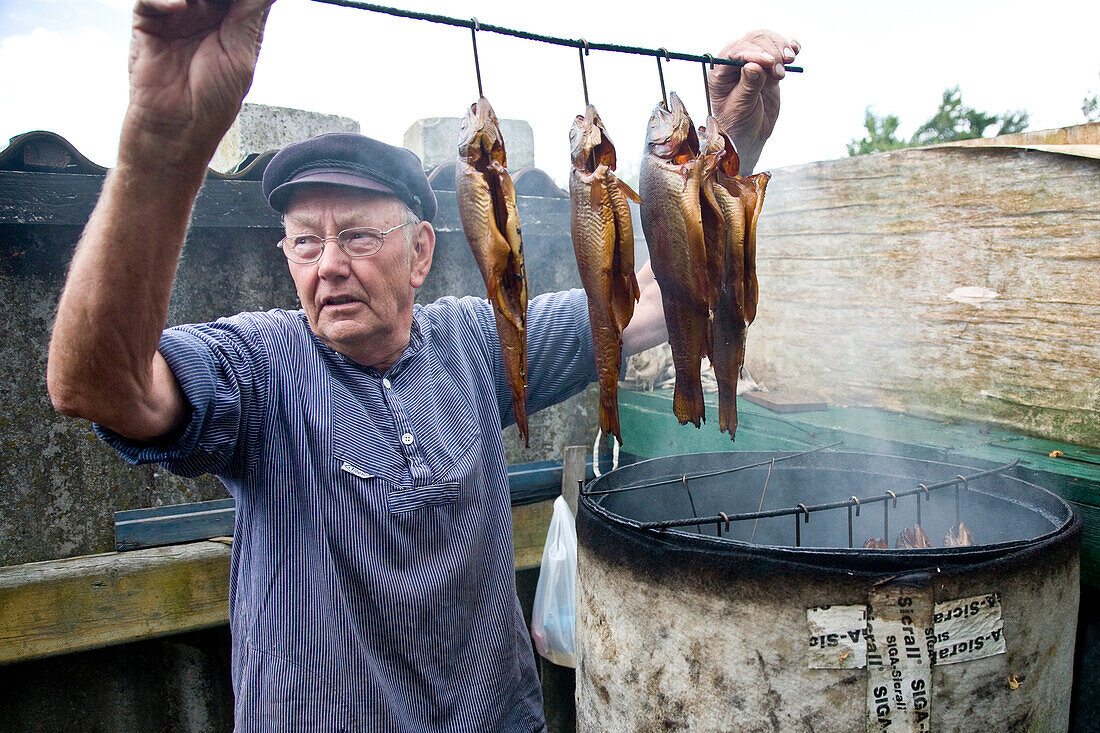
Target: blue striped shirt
(372,583)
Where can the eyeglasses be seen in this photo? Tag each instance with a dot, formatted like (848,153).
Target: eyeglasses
(356,242)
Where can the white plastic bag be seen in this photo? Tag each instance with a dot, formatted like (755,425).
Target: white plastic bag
(553,618)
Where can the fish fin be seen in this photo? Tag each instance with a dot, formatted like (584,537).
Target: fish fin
(597,196)
(629,192)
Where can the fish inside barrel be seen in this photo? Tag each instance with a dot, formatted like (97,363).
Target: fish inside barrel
(959,536)
(670,182)
(913,539)
(490,219)
(603,242)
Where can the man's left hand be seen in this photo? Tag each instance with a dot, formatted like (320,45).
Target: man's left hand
(746,99)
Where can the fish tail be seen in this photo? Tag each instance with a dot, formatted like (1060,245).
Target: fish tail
(609,414)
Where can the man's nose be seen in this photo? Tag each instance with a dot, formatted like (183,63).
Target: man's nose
(334,261)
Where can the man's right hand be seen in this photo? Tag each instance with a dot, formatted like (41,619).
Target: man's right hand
(191,64)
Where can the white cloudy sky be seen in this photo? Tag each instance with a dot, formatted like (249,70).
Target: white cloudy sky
(63,65)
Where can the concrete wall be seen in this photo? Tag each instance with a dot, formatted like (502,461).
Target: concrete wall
(59,485)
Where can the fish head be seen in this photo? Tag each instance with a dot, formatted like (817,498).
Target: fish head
(717,146)
(480,139)
(671,134)
(589,143)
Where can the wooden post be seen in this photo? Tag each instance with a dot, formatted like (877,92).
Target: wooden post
(572,473)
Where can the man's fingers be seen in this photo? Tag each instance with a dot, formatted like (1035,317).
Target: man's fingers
(753,78)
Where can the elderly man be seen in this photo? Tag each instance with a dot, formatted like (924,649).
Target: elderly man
(372,578)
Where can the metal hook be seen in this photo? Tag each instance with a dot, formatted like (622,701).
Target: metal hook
(797,528)
(856,500)
(926,498)
(895,498)
(706,87)
(727,521)
(661,74)
(698,527)
(581,53)
(477,66)
(963,479)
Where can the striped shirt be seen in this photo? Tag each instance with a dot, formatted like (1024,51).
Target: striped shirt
(372,583)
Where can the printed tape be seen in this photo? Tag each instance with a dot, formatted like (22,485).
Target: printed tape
(899,659)
(838,637)
(969,628)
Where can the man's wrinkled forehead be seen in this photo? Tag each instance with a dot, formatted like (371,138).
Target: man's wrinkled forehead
(316,205)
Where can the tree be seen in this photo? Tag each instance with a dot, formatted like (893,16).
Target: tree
(1090,108)
(880,135)
(952,121)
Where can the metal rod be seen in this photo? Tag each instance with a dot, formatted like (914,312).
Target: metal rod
(477,65)
(886,521)
(708,474)
(692,502)
(852,501)
(849,526)
(661,73)
(584,79)
(528,36)
(706,84)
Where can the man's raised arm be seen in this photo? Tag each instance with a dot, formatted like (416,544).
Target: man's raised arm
(191,63)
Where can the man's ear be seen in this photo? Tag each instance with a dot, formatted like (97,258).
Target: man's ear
(422,251)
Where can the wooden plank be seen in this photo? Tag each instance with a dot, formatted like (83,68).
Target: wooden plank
(88,602)
(857,259)
(169,525)
(573,472)
(785,401)
(530,523)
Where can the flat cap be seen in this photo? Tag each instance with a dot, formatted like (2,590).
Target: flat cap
(350,160)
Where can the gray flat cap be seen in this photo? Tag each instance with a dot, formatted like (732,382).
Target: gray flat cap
(351,160)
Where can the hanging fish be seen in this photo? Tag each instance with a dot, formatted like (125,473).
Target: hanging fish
(913,539)
(723,216)
(750,189)
(487,207)
(603,242)
(670,183)
(959,536)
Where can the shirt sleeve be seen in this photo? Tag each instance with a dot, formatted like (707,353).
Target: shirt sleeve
(560,357)
(224,371)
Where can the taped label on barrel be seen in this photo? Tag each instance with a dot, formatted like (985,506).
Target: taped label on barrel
(838,637)
(899,658)
(969,628)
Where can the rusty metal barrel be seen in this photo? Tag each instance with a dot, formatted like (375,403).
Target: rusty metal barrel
(732,592)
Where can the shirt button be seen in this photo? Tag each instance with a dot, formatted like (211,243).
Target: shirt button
(385,383)
(407,438)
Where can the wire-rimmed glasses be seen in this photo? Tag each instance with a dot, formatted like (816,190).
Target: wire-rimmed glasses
(356,242)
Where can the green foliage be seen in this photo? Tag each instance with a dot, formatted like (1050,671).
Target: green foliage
(1090,108)
(952,121)
(880,135)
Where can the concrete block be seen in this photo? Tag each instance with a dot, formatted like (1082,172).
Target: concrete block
(435,140)
(259,128)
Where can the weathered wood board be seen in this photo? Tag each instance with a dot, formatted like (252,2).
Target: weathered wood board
(857,258)
(87,602)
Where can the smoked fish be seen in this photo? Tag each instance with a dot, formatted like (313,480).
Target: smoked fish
(670,181)
(490,219)
(750,189)
(723,216)
(603,242)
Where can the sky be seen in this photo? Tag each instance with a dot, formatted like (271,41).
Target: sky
(63,66)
